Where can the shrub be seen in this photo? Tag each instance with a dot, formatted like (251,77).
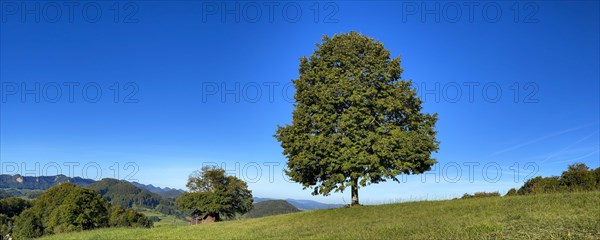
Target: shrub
(578,177)
(540,185)
(120,217)
(481,195)
(511,192)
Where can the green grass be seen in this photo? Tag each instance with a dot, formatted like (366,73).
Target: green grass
(164,219)
(552,216)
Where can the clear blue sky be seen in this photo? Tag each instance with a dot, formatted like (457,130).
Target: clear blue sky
(179,67)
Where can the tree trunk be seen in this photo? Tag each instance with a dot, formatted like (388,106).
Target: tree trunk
(355,193)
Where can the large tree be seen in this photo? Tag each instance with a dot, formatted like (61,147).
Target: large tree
(355,121)
(212,193)
(62,208)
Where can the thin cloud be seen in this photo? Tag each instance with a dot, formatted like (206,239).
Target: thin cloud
(569,146)
(555,134)
(578,158)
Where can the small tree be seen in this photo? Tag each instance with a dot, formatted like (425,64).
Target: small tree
(120,217)
(355,121)
(578,177)
(211,193)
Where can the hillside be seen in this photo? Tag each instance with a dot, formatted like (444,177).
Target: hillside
(543,216)
(165,192)
(271,207)
(126,194)
(302,204)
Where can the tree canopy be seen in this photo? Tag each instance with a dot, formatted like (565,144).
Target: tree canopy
(66,208)
(212,193)
(355,121)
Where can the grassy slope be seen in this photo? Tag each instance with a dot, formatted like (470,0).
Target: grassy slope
(164,219)
(574,215)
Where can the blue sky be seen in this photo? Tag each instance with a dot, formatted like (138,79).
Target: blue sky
(185,83)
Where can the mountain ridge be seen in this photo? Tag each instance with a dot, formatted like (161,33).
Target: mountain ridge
(18,181)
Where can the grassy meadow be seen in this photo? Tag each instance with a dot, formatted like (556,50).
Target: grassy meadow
(543,216)
(164,219)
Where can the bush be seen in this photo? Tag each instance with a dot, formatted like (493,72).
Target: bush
(481,195)
(120,217)
(578,177)
(511,192)
(539,185)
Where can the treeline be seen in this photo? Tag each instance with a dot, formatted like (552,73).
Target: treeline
(64,208)
(578,177)
(481,195)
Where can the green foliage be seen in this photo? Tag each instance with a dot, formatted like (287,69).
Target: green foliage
(67,207)
(511,192)
(13,206)
(5,225)
(129,195)
(63,208)
(125,194)
(596,174)
(270,207)
(355,121)
(213,193)
(120,217)
(539,185)
(28,225)
(10,208)
(578,177)
(481,195)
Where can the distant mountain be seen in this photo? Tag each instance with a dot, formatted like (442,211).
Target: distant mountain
(258,199)
(39,183)
(311,205)
(270,207)
(45,182)
(303,204)
(165,192)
